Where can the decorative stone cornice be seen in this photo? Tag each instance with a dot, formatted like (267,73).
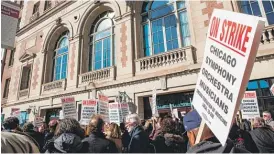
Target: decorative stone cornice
(44,16)
(26,56)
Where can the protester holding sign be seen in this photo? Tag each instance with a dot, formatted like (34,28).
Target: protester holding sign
(231,46)
(208,142)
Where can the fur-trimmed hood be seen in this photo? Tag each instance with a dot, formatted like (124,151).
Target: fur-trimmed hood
(173,139)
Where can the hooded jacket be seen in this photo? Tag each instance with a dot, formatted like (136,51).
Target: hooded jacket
(67,143)
(17,143)
(99,144)
(139,141)
(264,139)
(212,145)
(169,143)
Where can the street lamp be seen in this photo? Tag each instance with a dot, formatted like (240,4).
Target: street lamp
(123,97)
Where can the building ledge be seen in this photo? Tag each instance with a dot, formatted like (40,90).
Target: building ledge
(102,75)
(166,60)
(43,16)
(54,87)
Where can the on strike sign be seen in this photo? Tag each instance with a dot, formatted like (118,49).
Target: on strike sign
(69,107)
(231,46)
(103,107)
(89,107)
(124,108)
(250,108)
(115,114)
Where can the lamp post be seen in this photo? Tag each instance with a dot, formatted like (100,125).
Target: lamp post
(123,97)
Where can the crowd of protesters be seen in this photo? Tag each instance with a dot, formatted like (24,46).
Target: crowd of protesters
(156,135)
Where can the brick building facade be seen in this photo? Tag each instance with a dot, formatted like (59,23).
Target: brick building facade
(82,48)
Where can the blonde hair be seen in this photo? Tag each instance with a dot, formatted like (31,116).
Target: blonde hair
(115,131)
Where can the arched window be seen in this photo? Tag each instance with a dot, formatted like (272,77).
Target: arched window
(160,20)
(101,48)
(61,57)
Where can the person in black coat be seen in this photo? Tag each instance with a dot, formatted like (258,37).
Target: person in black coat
(236,133)
(38,137)
(67,138)
(169,140)
(208,142)
(125,137)
(139,140)
(263,136)
(97,143)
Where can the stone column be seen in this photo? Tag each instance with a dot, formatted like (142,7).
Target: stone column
(37,74)
(123,47)
(73,62)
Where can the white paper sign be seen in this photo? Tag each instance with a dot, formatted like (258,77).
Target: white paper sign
(175,113)
(231,46)
(250,108)
(272,89)
(61,115)
(115,113)
(89,108)
(38,121)
(153,104)
(103,107)
(69,107)
(124,108)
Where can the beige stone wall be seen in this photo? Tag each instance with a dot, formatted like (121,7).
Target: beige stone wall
(39,37)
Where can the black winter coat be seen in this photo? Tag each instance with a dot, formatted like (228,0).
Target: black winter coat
(139,141)
(236,132)
(125,139)
(212,145)
(48,136)
(99,144)
(38,137)
(264,139)
(169,143)
(66,143)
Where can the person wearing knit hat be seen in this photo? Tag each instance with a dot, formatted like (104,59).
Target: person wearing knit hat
(208,142)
